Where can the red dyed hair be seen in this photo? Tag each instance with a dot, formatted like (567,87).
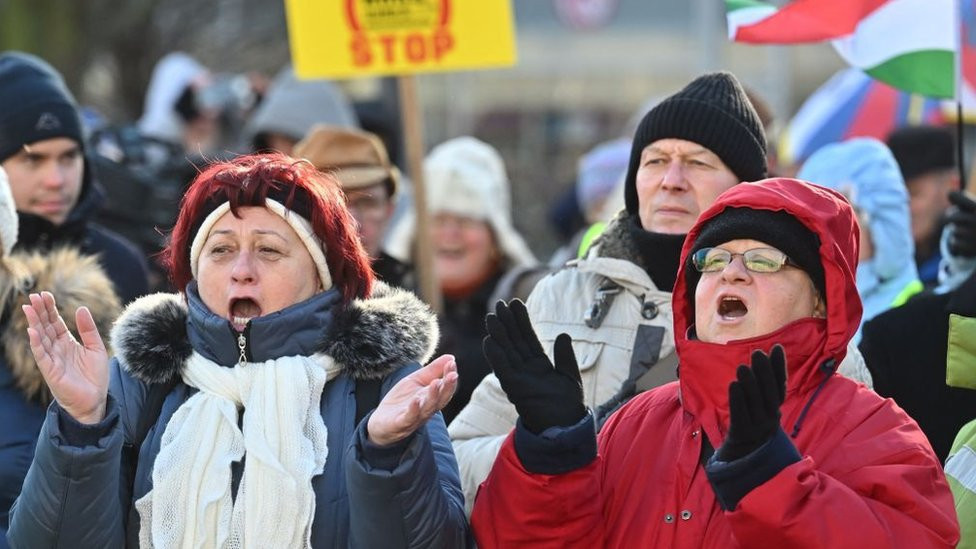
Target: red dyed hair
(247,181)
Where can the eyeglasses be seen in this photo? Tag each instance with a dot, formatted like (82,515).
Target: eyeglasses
(757,260)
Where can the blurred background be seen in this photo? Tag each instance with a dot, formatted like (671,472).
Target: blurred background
(586,70)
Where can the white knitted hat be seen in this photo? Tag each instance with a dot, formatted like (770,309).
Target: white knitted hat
(8,215)
(466,177)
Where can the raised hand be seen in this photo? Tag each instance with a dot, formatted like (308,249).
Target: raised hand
(545,395)
(412,401)
(754,401)
(962,225)
(77,373)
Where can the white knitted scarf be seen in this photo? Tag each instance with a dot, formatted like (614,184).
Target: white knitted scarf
(283,437)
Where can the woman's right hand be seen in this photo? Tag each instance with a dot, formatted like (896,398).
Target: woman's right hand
(544,394)
(77,373)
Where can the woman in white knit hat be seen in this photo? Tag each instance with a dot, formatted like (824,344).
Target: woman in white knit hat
(475,244)
(231,413)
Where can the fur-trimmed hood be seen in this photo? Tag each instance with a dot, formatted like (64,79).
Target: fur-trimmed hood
(75,280)
(370,337)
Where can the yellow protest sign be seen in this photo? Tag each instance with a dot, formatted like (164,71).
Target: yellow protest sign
(343,38)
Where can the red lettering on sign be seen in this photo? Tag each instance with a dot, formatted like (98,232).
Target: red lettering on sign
(361,55)
(443,42)
(387,42)
(414,48)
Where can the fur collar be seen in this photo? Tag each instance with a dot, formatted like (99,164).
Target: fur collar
(370,337)
(75,280)
(617,241)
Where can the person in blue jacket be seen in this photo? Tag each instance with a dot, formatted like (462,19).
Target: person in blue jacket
(262,361)
(23,394)
(865,171)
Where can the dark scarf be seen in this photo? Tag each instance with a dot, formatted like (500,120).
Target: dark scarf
(657,253)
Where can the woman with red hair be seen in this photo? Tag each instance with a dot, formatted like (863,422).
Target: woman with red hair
(230,415)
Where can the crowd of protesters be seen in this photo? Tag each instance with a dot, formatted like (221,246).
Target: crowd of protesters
(215,350)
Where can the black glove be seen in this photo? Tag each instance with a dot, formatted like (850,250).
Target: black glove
(754,401)
(545,396)
(962,225)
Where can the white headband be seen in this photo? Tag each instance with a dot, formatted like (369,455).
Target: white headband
(300,225)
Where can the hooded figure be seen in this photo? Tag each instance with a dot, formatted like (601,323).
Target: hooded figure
(23,394)
(804,457)
(171,76)
(476,248)
(292,107)
(615,302)
(865,171)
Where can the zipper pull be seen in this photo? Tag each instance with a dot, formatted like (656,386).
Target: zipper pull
(242,345)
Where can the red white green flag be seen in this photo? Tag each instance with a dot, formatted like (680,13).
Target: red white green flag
(909,44)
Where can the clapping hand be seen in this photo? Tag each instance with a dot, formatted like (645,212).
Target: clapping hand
(77,373)
(412,401)
(545,395)
(754,401)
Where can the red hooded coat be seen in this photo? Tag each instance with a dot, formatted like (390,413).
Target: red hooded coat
(867,478)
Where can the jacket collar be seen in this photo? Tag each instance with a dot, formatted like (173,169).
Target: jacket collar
(295,330)
(370,337)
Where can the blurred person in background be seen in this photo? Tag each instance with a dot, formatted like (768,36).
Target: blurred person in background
(190,116)
(768,119)
(926,156)
(908,349)
(597,175)
(212,424)
(44,153)
(960,466)
(474,244)
(289,110)
(865,171)
(173,116)
(358,160)
(24,396)
(615,303)
(758,444)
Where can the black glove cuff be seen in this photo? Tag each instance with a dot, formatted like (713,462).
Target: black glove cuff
(732,480)
(556,450)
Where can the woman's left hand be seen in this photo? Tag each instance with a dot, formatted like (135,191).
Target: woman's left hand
(412,401)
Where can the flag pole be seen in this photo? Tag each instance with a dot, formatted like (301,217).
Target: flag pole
(960,129)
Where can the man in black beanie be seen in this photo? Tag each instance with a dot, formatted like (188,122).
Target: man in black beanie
(616,302)
(42,150)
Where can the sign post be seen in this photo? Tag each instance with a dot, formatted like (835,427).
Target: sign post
(354,38)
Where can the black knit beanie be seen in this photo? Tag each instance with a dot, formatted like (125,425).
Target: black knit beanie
(922,149)
(778,229)
(35,104)
(714,112)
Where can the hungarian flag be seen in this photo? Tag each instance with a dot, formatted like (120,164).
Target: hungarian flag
(909,44)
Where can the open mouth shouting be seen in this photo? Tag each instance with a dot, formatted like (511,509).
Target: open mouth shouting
(731,308)
(243,310)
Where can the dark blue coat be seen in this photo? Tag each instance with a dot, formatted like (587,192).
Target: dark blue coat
(405,496)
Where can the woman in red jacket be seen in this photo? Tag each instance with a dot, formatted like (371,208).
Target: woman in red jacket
(805,458)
